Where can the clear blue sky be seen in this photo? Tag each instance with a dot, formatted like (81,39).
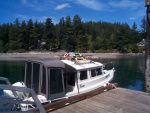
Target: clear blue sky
(122,11)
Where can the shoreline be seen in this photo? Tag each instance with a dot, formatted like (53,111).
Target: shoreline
(35,55)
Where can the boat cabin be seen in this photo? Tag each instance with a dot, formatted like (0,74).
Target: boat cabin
(57,79)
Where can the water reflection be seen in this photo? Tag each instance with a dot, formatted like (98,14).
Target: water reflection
(13,70)
(129,72)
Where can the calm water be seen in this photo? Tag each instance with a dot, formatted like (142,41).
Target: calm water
(129,71)
(13,70)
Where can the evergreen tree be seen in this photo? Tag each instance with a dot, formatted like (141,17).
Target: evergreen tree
(68,35)
(71,35)
(24,36)
(123,38)
(17,30)
(30,40)
(61,34)
(134,26)
(79,41)
(5,36)
(48,35)
(37,34)
(143,25)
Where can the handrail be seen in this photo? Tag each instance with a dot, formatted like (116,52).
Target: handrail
(8,83)
(23,89)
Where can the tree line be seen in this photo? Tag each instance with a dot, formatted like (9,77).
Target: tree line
(70,34)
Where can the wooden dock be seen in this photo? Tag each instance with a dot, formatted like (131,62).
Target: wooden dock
(117,100)
(113,101)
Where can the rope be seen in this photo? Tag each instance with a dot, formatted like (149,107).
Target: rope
(113,85)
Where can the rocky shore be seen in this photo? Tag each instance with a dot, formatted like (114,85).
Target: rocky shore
(32,55)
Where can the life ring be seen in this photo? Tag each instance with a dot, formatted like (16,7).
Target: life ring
(66,55)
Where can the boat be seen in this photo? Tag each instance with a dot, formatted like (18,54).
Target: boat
(55,79)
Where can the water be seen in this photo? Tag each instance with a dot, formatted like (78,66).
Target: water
(13,70)
(129,71)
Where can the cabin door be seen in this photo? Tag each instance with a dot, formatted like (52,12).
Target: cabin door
(56,83)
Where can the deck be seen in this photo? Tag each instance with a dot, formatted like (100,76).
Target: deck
(113,101)
(117,100)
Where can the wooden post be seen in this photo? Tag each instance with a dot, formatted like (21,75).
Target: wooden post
(147,47)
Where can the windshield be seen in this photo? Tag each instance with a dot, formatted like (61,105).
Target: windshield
(56,84)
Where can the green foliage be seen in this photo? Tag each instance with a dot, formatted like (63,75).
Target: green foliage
(71,35)
(143,25)
(134,26)
(141,49)
(135,49)
(14,45)
(1,46)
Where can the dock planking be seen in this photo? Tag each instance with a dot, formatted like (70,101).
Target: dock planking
(118,100)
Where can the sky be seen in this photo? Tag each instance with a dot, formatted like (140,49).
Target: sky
(122,11)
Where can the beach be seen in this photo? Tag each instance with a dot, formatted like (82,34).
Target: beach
(34,55)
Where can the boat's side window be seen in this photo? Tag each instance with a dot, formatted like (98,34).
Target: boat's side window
(83,75)
(93,73)
(28,74)
(71,79)
(56,84)
(99,71)
(96,72)
(36,74)
(43,80)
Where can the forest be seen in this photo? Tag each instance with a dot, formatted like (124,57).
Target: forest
(71,34)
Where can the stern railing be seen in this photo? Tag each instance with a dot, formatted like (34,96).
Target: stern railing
(16,102)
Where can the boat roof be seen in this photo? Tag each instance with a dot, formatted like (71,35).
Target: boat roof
(82,66)
(49,62)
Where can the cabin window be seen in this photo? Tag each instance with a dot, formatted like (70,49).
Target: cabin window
(71,79)
(56,84)
(36,73)
(28,74)
(83,75)
(96,72)
(43,80)
(99,71)
(93,73)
